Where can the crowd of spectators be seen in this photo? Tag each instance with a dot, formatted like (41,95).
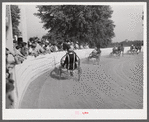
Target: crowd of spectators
(21,50)
(11,61)
(37,47)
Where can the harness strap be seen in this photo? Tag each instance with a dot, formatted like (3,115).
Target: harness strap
(68,61)
(74,60)
(73,63)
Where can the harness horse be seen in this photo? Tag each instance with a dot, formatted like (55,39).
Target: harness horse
(134,49)
(117,51)
(70,61)
(95,54)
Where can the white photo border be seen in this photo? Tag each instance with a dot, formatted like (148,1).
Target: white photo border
(104,114)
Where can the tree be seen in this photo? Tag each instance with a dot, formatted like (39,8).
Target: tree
(34,39)
(15,14)
(84,24)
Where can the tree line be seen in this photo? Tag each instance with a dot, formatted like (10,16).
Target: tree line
(127,43)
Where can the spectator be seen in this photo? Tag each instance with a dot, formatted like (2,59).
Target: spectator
(55,48)
(52,48)
(29,44)
(76,46)
(81,47)
(9,85)
(11,59)
(59,46)
(30,50)
(39,49)
(15,43)
(71,46)
(18,54)
(65,46)
(9,94)
(9,81)
(48,49)
(68,42)
(24,49)
(86,46)
(34,51)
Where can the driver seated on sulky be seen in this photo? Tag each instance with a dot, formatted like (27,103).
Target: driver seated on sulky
(132,47)
(70,60)
(95,52)
(115,48)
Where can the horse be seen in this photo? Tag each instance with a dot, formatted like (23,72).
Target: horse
(70,61)
(95,54)
(134,49)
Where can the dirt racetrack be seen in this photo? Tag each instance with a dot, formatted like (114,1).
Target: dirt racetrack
(116,83)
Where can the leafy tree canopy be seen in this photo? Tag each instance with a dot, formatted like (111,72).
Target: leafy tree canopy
(81,23)
(15,14)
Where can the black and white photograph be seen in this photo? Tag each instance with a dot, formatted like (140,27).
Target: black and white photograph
(74,60)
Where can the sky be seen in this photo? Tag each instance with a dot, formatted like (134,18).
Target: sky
(127,18)
(128,21)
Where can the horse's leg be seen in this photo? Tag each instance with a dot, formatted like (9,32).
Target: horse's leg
(137,51)
(71,72)
(120,53)
(95,58)
(88,58)
(79,73)
(98,59)
(60,72)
